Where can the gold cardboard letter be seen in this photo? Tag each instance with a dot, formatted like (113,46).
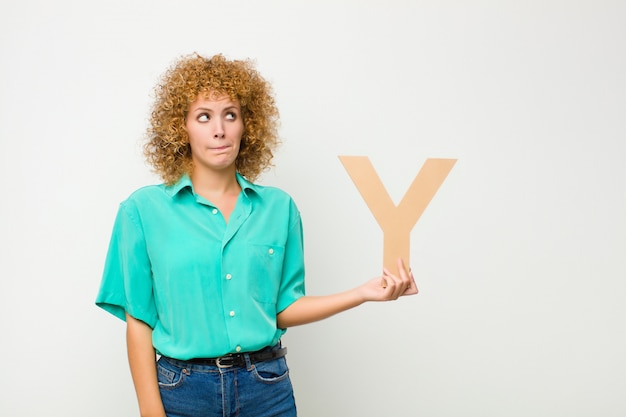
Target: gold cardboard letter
(396,222)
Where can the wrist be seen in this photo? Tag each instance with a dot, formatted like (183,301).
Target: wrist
(360,295)
(156,411)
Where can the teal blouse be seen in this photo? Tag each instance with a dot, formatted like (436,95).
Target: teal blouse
(206,287)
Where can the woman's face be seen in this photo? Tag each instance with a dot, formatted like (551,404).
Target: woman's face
(214,126)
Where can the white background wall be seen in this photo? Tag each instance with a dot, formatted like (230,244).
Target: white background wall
(520,257)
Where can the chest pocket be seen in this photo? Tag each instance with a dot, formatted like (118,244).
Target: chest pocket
(267,271)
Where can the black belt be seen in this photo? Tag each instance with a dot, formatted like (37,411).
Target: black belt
(239,359)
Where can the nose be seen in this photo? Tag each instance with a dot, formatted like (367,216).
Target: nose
(219,130)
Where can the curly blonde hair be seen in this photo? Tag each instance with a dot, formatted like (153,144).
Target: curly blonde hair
(167,148)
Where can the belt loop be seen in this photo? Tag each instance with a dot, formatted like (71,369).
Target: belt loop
(249,364)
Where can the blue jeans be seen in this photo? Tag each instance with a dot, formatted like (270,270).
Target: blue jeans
(262,389)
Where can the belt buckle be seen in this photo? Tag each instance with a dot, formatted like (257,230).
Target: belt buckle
(225,362)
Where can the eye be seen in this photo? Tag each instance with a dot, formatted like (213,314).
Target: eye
(231,115)
(204,117)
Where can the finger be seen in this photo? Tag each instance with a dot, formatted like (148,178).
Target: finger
(388,283)
(398,285)
(389,278)
(402,269)
(395,286)
(383,279)
(410,287)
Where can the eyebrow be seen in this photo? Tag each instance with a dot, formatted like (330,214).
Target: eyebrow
(211,110)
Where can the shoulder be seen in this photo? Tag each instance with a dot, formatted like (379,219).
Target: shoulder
(267,191)
(269,195)
(148,195)
(147,192)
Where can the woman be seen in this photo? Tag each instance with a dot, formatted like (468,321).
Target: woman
(207,268)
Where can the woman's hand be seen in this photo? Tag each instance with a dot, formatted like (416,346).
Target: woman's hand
(309,309)
(389,286)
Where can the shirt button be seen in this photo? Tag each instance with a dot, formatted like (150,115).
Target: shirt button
(232,314)
(238,349)
(271,251)
(228,276)
(214,211)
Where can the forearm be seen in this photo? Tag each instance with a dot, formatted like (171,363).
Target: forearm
(141,358)
(309,309)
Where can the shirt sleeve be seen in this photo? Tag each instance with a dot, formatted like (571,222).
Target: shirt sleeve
(292,281)
(126,285)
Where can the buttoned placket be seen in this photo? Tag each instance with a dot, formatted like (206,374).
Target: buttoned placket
(241,212)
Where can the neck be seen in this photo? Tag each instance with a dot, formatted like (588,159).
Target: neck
(215,182)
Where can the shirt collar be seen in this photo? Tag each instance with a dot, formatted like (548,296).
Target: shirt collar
(185,182)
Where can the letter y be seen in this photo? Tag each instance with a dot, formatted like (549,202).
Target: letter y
(397,222)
